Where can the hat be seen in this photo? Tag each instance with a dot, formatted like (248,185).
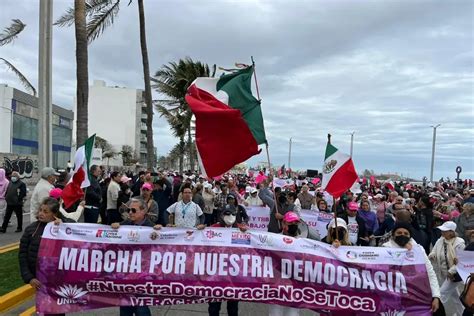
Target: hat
(147,186)
(125,179)
(447,226)
(229,210)
(48,171)
(340,223)
(291,217)
(353,206)
(471,191)
(207,185)
(378,196)
(230,196)
(55,193)
(254,190)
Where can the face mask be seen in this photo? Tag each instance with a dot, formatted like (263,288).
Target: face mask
(402,240)
(14,179)
(292,230)
(229,219)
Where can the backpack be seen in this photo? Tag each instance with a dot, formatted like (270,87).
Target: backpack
(467,295)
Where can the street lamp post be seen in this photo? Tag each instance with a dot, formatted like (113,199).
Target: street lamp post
(352,142)
(433,151)
(289,154)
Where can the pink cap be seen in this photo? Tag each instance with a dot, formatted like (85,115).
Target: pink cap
(353,206)
(55,193)
(147,186)
(125,179)
(291,217)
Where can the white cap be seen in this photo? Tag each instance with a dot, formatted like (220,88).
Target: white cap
(447,226)
(340,223)
(254,190)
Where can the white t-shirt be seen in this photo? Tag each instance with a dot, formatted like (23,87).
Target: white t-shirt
(185,215)
(353,229)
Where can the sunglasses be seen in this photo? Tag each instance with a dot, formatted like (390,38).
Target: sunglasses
(133,210)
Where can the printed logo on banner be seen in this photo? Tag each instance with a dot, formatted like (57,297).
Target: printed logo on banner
(240,238)
(401,255)
(79,232)
(211,234)
(368,255)
(189,235)
(351,255)
(133,235)
(288,240)
(265,240)
(312,246)
(70,295)
(68,230)
(54,230)
(163,236)
(154,236)
(393,313)
(103,233)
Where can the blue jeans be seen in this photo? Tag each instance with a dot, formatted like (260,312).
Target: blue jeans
(134,310)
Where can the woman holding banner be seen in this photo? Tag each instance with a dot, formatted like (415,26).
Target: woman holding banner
(337,234)
(402,238)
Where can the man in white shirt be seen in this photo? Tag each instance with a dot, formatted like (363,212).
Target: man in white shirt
(113,215)
(186,213)
(41,190)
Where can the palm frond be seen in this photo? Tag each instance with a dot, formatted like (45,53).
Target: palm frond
(102,19)
(11,32)
(20,76)
(92,6)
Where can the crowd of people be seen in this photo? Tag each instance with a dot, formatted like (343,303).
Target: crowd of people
(438,218)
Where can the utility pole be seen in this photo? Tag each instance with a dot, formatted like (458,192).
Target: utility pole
(289,154)
(45,85)
(352,142)
(433,151)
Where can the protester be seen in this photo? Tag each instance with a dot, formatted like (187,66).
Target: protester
(125,192)
(209,196)
(355,225)
(3,191)
(220,201)
(41,190)
(151,205)
(186,213)
(241,213)
(48,211)
(138,183)
(423,213)
(465,222)
(137,211)
(197,196)
(305,198)
(253,199)
(293,202)
(113,190)
(15,194)
(444,256)
(386,222)
(370,220)
(93,196)
(229,220)
(290,224)
(162,195)
(278,209)
(401,238)
(337,236)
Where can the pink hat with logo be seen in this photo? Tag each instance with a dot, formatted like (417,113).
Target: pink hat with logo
(353,206)
(291,217)
(55,193)
(147,186)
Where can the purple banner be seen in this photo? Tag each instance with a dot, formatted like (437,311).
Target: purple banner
(86,266)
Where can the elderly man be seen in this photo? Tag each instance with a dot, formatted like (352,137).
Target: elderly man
(186,213)
(305,198)
(137,211)
(41,190)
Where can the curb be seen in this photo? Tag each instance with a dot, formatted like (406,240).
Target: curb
(16,297)
(9,247)
(30,311)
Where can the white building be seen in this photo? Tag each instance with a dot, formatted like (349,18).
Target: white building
(118,115)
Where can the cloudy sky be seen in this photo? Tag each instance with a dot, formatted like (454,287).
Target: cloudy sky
(387,70)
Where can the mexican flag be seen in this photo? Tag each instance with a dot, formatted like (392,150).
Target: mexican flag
(338,172)
(229,122)
(80,179)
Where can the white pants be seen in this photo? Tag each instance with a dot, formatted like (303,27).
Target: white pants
(450,296)
(3,209)
(277,310)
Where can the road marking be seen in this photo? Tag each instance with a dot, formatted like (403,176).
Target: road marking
(9,247)
(30,311)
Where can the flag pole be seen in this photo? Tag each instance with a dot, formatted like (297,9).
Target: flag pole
(266,143)
(334,202)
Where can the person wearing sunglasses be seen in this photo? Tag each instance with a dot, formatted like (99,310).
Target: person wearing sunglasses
(137,211)
(337,234)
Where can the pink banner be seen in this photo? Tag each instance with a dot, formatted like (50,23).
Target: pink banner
(86,266)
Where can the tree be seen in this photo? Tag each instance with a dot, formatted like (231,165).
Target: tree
(102,144)
(173,81)
(127,154)
(101,15)
(8,35)
(82,71)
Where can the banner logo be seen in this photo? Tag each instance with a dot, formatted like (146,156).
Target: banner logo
(210,234)
(240,238)
(70,295)
(351,255)
(102,233)
(133,235)
(329,166)
(54,230)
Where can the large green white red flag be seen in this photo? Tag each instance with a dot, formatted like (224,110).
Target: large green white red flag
(338,172)
(229,122)
(81,177)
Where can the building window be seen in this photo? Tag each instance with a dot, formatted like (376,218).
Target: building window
(25,128)
(62,136)
(24,150)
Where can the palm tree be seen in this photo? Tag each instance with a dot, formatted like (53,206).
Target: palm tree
(173,81)
(8,35)
(101,14)
(82,71)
